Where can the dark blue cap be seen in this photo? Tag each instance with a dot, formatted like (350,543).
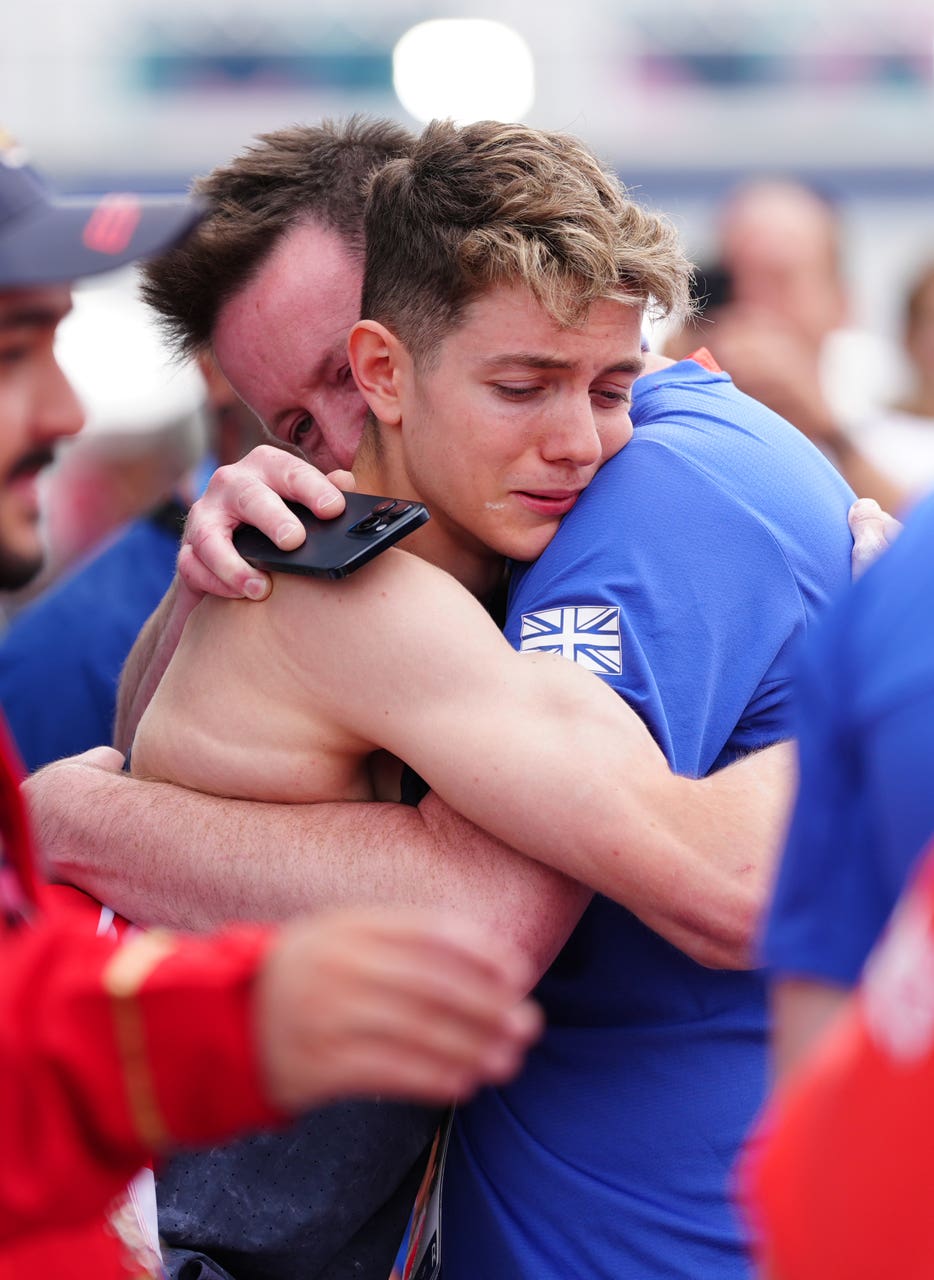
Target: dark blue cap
(46,239)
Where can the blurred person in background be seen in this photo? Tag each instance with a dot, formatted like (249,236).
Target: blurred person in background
(152,418)
(779,320)
(838,1175)
(145,424)
(899,437)
(92,1080)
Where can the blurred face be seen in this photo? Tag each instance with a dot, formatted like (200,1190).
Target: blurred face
(779,248)
(919,338)
(37,407)
(282,344)
(514,416)
(799,287)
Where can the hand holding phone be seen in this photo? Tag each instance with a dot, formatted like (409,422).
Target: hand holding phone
(335,548)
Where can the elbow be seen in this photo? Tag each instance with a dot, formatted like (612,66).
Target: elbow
(539,928)
(714,919)
(722,952)
(725,935)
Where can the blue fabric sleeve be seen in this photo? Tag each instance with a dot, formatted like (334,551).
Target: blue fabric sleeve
(865,807)
(61,658)
(706,601)
(822,906)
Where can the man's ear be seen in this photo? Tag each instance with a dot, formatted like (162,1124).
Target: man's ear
(378,360)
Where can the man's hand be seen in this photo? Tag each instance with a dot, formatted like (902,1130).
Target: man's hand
(400,1002)
(873,530)
(251,491)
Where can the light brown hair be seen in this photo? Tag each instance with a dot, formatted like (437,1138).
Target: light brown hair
(490,204)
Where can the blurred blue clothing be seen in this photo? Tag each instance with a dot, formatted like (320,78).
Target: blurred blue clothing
(865,807)
(61,657)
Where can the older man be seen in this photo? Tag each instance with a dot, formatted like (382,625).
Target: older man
(91,1080)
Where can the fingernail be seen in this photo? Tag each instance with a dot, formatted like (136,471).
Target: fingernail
(329,501)
(287,531)
(255,588)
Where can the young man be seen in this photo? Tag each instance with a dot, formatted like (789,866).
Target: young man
(470,376)
(91,1083)
(553,450)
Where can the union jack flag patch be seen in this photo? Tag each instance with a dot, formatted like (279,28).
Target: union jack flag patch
(588,634)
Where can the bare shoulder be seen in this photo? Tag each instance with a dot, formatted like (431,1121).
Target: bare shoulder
(395,588)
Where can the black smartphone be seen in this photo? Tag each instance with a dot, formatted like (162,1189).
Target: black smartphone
(335,548)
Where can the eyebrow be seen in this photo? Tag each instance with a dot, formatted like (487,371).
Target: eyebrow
(530,360)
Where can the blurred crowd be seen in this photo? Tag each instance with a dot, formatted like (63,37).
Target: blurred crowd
(775,306)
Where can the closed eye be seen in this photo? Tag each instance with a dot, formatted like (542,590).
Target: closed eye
(612,397)
(515,393)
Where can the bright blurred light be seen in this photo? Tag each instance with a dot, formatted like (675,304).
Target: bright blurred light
(465,69)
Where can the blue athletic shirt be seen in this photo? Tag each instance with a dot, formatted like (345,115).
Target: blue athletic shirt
(685,576)
(865,808)
(61,658)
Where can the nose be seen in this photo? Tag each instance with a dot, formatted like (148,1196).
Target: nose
(58,411)
(572,436)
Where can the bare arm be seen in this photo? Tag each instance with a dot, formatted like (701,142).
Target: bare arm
(692,858)
(700,880)
(248,492)
(161,854)
(245,492)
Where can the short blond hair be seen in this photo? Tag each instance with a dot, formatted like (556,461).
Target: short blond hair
(490,204)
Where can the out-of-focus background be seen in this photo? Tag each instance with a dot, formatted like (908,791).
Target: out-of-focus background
(682,96)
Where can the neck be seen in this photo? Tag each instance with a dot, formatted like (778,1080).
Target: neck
(439,542)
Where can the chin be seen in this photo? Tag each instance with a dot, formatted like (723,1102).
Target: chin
(529,547)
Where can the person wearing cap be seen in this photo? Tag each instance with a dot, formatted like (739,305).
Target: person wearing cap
(115,1049)
(113,508)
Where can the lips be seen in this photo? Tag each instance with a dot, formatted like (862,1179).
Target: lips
(548,502)
(28,466)
(21,483)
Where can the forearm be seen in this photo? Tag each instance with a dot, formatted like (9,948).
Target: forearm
(148,660)
(723,834)
(165,855)
(692,858)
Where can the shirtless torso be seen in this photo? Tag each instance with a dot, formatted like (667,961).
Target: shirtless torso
(224,723)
